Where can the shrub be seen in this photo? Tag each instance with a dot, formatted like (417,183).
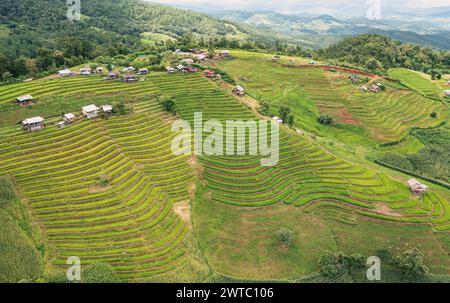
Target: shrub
(168,104)
(284,236)
(265,109)
(411,263)
(99,273)
(328,264)
(120,108)
(325,119)
(103,180)
(433,115)
(385,256)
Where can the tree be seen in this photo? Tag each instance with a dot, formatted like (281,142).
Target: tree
(31,67)
(411,263)
(284,113)
(290,120)
(99,273)
(7,76)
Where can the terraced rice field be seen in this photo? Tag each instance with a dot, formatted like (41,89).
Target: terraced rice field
(307,178)
(390,115)
(416,82)
(130,222)
(386,117)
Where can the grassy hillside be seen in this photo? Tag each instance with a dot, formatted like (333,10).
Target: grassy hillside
(416,82)
(19,255)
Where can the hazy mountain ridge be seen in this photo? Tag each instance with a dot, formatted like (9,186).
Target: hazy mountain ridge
(333,29)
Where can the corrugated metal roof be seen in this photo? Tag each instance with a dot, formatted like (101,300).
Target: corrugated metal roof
(25,98)
(90,108)
(69,116)
(33,120)
(107,108)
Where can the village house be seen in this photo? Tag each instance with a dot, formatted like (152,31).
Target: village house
(239,90)
(447,93)
(182,69)
(201,56)
(275,58)
(178,52)
(363,89)
(143,71)
(188,61)
(33,124)
(129,69)
(85,71)
(24,100)
(107,109)
(112,76)
(375,88)
(209,73)
(129,78)
(90,111)
(68,118)
(354,78)
(277,119)
(225,53)
(417,188)
(192,69)
(99,70)
(66,73)
(170,70)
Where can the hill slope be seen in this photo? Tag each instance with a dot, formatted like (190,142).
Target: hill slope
(106,28)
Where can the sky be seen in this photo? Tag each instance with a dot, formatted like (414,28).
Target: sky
(333,7)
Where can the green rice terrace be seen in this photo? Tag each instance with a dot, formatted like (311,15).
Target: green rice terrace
(111,190)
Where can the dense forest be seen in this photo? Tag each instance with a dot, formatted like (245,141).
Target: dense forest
(378,53)
(36,38)
(36,35)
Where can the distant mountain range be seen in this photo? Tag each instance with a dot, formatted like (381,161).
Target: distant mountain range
(321,31)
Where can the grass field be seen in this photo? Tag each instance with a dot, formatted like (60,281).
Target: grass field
(416,82)
(130,222)
(153,38)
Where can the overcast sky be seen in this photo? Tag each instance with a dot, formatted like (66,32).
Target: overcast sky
(309,6)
